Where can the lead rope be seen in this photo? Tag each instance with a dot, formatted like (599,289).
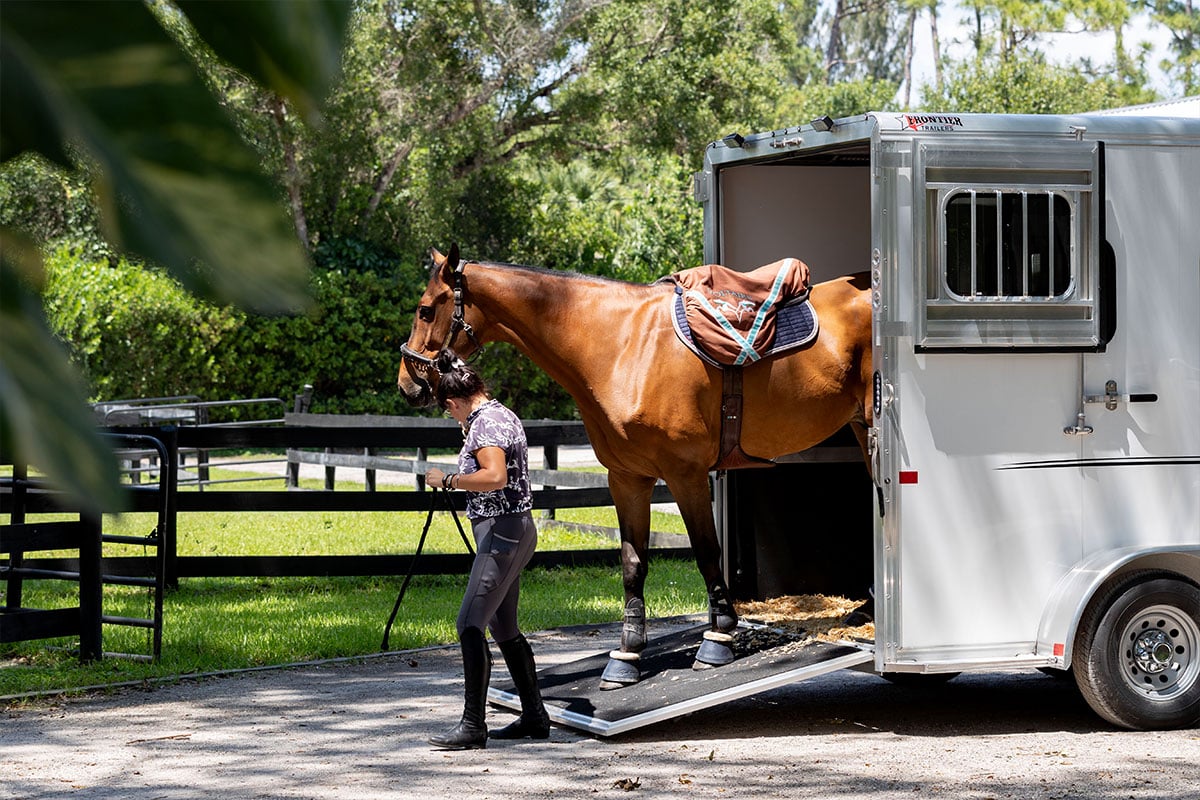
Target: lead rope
(412,564)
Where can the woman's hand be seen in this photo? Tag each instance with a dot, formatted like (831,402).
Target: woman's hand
(434,477)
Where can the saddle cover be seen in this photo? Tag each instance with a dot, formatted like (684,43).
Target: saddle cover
(731,318)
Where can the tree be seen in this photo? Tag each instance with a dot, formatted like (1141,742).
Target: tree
(102,89)
(1183,20)
(1022,84)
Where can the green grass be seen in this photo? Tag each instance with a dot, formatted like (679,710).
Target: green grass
(215,624)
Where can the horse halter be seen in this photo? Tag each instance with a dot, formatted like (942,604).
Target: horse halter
(458,322)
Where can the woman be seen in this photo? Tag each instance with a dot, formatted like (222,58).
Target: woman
(493,470)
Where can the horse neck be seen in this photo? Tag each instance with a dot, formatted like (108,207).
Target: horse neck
(553,318)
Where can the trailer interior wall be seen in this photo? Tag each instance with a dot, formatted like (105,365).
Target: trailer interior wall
(818,214)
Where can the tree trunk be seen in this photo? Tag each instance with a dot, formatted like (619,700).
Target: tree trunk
(384,181)
(937,48)
(833,50)
(291,171)
(909,32)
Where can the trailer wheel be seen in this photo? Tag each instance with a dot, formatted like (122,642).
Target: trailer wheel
(1137,652)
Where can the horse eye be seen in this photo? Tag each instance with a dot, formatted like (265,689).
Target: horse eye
(425,313)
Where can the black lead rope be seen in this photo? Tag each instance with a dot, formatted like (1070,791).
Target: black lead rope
(412,564)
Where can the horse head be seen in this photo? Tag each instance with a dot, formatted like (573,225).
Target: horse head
(439,324)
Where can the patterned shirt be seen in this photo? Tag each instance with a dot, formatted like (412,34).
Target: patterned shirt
(493,425)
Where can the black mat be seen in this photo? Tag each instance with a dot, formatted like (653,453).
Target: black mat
(668,680)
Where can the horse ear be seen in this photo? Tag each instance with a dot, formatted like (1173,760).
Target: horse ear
(452,259)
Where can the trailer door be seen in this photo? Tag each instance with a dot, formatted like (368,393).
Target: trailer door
(978,358)
(1141,475)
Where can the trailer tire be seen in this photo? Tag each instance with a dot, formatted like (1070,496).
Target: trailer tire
(1137,652)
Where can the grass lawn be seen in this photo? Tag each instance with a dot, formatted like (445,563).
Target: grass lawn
(215,624)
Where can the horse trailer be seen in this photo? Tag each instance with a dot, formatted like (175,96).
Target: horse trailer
(1033,496)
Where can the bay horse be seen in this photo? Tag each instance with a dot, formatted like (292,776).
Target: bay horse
(651,408)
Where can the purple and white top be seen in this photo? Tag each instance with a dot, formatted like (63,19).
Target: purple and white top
(493,425)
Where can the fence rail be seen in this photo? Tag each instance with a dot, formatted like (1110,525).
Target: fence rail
(336,432)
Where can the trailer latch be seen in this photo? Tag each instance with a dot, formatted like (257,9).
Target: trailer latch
(1112,398)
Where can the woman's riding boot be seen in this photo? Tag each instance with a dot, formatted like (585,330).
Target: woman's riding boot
(471,732)
(533,722)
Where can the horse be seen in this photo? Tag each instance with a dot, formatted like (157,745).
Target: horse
(652,409)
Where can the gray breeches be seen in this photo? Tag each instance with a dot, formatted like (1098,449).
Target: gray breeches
(503,546)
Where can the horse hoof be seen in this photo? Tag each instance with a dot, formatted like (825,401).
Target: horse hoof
(715,650)
(621,670)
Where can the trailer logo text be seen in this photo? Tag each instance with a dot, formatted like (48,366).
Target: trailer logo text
(931,122)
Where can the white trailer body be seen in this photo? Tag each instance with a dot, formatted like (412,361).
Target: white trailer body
(1036,351)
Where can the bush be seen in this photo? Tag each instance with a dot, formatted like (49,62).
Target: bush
(134,332)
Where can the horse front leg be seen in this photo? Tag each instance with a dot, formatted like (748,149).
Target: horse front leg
(693,496)
(631,497)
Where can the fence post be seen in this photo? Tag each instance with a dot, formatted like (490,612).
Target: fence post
(16,559)
(550,462)
(91,590)
(369,474)
(170,439)
(330,476)
(303,400)
(422,455)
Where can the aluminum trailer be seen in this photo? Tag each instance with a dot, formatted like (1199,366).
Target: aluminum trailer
(1036,348)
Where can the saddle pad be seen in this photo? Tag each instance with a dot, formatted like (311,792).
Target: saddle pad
(730,318)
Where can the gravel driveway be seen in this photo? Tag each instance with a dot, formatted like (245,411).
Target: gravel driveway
(357,730)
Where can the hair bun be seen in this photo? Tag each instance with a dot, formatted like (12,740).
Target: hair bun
(447,361)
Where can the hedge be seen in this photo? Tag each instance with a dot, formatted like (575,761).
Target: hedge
(134,332)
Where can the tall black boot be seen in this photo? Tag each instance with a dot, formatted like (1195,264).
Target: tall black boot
(471,732)
(533,722)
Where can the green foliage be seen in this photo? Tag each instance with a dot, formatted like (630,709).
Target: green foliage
(103,90)
(838,100)
(637,224)
(1182,19)
(347,347)
(1024,85)
(134,332)
(49,205)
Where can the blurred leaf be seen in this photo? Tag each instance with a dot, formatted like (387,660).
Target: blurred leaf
(291,46)
(176,184)
(102,85)
(37,126)
(44,419)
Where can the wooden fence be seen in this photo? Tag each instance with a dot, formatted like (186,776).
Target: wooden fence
(361,442)
(325,439)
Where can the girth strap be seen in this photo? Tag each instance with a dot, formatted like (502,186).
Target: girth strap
(731,455)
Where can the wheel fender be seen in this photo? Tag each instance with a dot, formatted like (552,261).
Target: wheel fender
(1072,593)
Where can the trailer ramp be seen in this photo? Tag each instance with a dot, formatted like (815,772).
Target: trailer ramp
(670,688)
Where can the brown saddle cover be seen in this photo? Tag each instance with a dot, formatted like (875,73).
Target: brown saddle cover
(731,314)
(730,320)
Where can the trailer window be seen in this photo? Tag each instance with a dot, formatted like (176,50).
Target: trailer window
(1003,244)
(1007,234)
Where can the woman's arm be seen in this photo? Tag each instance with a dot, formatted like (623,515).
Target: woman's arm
(492,473)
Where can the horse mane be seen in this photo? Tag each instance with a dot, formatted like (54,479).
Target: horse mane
(558,273)
(563,274)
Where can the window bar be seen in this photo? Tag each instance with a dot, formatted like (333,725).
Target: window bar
(1025,265)
(1050,242)
(999,244)
(974,242)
